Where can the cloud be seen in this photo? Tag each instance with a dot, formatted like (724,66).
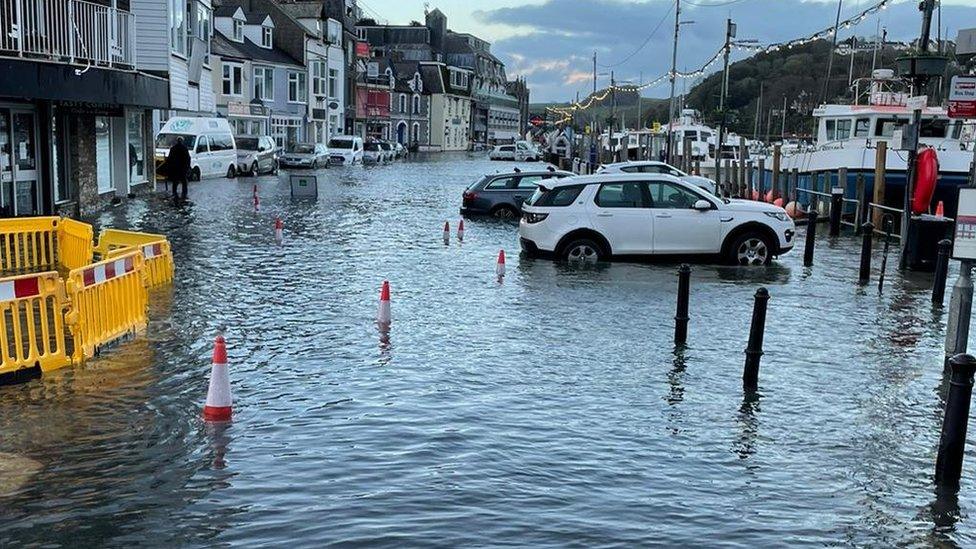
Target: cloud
(556,39)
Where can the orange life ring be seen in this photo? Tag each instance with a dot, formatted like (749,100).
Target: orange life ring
(926,176)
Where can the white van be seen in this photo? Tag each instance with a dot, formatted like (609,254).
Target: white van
(345,150)
(210,142)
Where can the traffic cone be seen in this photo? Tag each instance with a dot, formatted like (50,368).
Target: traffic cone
(940,209)
(447,232)
(500,266)
(279,230)
(257,201)
(219,400)
(461,230)
(383,316)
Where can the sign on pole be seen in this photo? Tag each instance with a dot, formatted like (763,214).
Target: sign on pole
(917,102)
(962,97)
(964,246)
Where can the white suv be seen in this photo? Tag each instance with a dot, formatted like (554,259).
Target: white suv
(592,218)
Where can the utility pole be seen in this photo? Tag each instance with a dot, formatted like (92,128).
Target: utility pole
(850,75)
(755,131)
(782,136)
(830,56)
(927,7)
(877,43)
(674,68)
(613,104)
(729,35)
(639,126)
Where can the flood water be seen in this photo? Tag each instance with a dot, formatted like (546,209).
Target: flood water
(550,409)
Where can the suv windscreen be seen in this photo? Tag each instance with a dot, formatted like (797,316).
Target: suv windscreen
(302,149)
(372,147)
(247,143)
(340,144)
(558,197)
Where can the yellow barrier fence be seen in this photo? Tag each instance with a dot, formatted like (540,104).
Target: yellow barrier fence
(154,247)
(28,244)
(75,246)
(108,300)
(32,323)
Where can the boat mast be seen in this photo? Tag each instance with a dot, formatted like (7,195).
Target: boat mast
(729,34)
(830,56)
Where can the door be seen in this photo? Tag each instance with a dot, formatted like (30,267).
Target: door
(201,154)
(620,213)
(678,227)
(25,191)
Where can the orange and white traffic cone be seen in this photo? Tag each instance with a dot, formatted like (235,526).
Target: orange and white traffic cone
(940,209)
(461,230)
(279,230)
(500,266)
(257,201)
(219,400)
(383,316)
(447,232)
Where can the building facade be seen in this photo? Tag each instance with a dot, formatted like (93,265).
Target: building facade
(450,105)
(410,112)
(75,123)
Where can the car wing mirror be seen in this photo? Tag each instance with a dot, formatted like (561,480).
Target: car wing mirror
(702,205)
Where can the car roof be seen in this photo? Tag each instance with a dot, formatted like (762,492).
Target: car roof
(613,178)
(636,163)
(497,175)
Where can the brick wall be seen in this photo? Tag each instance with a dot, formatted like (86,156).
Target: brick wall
(82,168)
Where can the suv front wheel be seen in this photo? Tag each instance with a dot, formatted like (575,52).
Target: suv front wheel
(750,249)
(583,250)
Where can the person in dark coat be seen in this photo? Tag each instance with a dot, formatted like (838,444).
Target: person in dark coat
(178,165)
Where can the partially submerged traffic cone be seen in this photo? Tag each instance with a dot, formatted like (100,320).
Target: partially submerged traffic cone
(447,232)
(383,316)
(219,400)
(257,201)
(279,230)
(500,266)
(461,230)
(940,209)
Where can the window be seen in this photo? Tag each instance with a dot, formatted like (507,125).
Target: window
(416,132)
(264,83)
(862,127)
(933,128)
(558,197)
(266,39)
(885,127)
(670,196)
(416,104)
(361,33)
(203,29)
(403,103)
(620,195)
(333,32)
(297,87)
(221,142)
(529,182)
(177,26)
(502,183)
(137,147)
(238,30)
(233,79)
(333,83)
(318,78)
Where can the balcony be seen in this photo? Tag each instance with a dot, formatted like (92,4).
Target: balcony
(68,31)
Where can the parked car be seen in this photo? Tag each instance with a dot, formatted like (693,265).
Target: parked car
(592,218)
(305,155)
(346,150)
(520,151)
(501,194)
(373,153)
(399,149)
(389,152)
(256,155)
(502,152)
(209,140)
(654,166)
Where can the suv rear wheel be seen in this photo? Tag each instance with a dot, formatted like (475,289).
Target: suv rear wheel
(584,251)
(750,249)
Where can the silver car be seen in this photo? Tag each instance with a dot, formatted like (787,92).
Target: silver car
(306,155)
(256,155)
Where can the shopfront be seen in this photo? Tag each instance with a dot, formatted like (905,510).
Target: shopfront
(247,118)
(19,161)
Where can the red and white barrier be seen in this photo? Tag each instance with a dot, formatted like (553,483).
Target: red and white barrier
(19,289)
(150,251)
(383,315)
(107,271)
(219,399)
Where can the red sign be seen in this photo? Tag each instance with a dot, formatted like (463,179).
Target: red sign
(962,97)
(362,49)
(536,120)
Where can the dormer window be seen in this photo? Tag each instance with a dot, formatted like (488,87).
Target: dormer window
(266,38)
(238,30)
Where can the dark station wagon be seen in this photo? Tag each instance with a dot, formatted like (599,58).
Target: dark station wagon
(501,194)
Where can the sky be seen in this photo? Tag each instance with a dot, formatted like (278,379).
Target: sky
(551,42)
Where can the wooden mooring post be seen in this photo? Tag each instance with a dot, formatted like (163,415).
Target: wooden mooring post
(880,169)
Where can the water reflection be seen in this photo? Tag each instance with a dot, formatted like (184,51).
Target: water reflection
(747,419)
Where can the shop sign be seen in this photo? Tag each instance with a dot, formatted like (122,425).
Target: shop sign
(964,246)
(94,109)
(962,97)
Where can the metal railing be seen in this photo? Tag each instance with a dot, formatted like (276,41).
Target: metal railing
(68,31)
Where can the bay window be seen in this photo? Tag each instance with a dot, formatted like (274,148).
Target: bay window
(318,78)
(264,83)
(297,87)
(233,79)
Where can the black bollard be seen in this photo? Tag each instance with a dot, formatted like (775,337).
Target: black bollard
(941,272)
(867,235)
(952,442)
(811,237)
(681,317)
(889,224)
(754,352)
(836,209)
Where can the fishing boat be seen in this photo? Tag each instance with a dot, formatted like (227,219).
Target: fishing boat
(848,136)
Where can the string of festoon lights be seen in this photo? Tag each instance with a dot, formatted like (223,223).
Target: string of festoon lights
(567,112)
